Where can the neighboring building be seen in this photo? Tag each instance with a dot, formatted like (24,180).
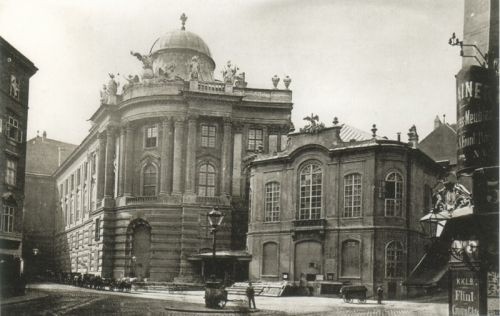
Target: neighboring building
(15,73)
(331,210)
(134,194)
(43,157)
(441,144)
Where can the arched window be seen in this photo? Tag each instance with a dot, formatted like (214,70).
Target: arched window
(352,195)
(393,194)
(350,258)
(206,180)
(394,260)
(270,259)
(272,206)
(310,191)
(149,180)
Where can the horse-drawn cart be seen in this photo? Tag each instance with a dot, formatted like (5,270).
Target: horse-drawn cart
(351,292)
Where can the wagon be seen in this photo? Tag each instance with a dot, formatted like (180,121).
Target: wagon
(351,292)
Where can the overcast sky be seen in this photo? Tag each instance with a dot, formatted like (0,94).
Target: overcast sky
(385,62)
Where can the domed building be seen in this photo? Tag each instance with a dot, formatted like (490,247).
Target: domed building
(162,152)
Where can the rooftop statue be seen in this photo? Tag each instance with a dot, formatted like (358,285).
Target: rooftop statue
(131,80)
(168,73)
(112,86)
(314,125)
(240,80)
(194,69)
(147,61)
(229,73)
(104,94)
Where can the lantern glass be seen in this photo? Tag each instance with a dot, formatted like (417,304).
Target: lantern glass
(433,224)
(215,218)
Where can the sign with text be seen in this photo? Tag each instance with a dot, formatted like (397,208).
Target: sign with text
(477,118)
(464,293)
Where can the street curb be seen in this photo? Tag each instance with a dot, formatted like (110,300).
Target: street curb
(215,311)
(23,300)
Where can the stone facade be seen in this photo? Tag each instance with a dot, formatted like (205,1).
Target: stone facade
(15,73)
(325,211)
(134,195)
(43,156)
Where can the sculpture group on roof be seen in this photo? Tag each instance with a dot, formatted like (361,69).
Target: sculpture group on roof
(314,125)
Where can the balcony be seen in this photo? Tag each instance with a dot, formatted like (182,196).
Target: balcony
(320,222)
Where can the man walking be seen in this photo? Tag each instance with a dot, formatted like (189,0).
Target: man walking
(251,295)
(380,294)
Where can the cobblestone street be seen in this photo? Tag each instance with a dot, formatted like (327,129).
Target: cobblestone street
(56,299)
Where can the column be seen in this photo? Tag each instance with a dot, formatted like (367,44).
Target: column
(191,154)
(100,166)
(226,157)
(121,162)
(178,140)
(110,156)
(129,158)
(166,163)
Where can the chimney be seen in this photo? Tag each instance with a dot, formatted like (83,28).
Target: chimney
(437,122)
(44,135)
(413,136)
(399,136)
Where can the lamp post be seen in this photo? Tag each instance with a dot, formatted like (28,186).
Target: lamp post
(215,218)
(213,295)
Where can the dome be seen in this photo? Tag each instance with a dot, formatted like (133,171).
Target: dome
(181,39)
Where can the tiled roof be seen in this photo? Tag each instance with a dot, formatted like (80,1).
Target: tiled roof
(441,144)
(43,155)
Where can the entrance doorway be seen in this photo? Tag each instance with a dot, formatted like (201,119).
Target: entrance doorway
(308,258)
(391,290)
(139,243)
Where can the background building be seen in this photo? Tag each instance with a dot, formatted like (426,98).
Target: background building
(334,209)
(15,73)
(134,195)
(43,156)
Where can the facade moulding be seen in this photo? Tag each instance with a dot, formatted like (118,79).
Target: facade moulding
(152,100)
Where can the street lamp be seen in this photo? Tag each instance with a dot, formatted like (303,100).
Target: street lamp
(433,223)
(214,297)
(215,218)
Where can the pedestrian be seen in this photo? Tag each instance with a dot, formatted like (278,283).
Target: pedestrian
(380,294)
(251,296)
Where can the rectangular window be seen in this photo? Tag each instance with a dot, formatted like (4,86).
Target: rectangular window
(8,219)
(97,229)
(77,207)
(254,139)
(85,171)
(151,136)
(78,171)
(272,202)
(93,164)
(11,172)
(71,219)
(72,182)
(61,193)
(352,195)
(15,87)
(66,187)
(14,130)
(208,133)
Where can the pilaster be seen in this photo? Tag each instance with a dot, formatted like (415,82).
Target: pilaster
(226,157)
(166,162)
(101,162)
(129,158)
(191,154)
(110,154)
(177,169)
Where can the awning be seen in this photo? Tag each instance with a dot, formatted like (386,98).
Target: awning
(239,255)
(432,267)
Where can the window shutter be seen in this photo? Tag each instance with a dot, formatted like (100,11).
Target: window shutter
(381,189)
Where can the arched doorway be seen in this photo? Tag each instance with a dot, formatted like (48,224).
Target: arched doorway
(308,258)
(139,246)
